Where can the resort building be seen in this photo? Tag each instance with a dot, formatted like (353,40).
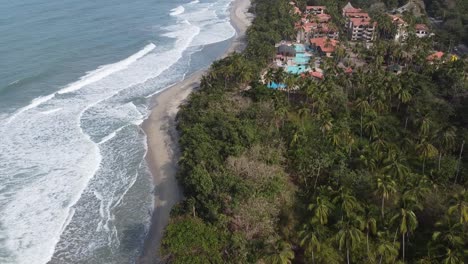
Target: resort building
(293,57)
(315,25)
(421,30)
(317,30)
(401,28)
(324,46)
(359,25)
(315,10)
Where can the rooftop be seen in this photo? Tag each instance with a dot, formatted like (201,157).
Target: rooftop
(397,20)
(326,45)
(361,21)
(315,7)
(437,55)
(421,27)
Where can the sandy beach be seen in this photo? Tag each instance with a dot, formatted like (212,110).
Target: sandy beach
(162,137)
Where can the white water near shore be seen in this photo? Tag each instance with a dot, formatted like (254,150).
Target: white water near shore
(68,159)
(163,153)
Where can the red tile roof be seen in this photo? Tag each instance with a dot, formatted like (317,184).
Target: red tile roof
(437,55)
(352,10)
(323,17)
(421,27)
(316,74)
(315,7)
(360,21)
(397,20)
(326,45)
(359,15)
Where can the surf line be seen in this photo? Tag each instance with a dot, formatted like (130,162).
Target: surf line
(91,77)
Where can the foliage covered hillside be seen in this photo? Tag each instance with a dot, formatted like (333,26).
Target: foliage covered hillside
(454,16)
(368,167)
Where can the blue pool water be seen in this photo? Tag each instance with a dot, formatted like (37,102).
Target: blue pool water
(274,85)
(298,69)
(301,59)
(299,47)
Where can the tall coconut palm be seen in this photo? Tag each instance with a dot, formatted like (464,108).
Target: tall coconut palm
(426,150)
(349,235)
(395,164)
(280,253)
(450,235)
(348,203)
(321,209)
(453,257)
(459,206)
(407,223)
(386,186)
(446,141)
(363,106)
(311,239)
(370,227)
(387,250)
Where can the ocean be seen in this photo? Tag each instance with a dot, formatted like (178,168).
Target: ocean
(76,79)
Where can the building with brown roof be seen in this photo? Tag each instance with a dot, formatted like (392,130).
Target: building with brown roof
(421,30)
(401,27)
(359,25)
(315,10)
(324,45)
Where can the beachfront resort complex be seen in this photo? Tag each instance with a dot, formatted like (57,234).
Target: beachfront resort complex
(319,36)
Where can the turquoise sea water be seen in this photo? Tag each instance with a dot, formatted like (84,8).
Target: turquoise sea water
(75,78)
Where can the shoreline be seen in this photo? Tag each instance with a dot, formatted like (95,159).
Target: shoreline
(162,137)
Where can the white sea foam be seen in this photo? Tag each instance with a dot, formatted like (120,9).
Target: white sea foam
(82,142)
(106,70)
(194,2)
(34,103)
(177,11)
(51,111)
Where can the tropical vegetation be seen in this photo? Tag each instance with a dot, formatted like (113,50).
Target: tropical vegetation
(362,167)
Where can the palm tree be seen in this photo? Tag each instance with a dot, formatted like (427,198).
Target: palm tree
(290,82)
(446,140)
(269,75)
(303,112)
(280,113)
(280,253)
(386,186)
(407,223)
(322,209)
(426,150)
(394,164)
(370,227)
(387,250)
(459,206)
(348,203)
(279,76)
(349,234)
(450,237)
(452,257)
(310,239)
(371,126)
(363,106)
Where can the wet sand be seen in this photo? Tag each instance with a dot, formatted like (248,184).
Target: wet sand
(162,137)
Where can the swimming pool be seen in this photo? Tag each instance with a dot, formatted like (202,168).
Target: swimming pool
(301,58)
(297,69)
(274,85)
(299,47)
